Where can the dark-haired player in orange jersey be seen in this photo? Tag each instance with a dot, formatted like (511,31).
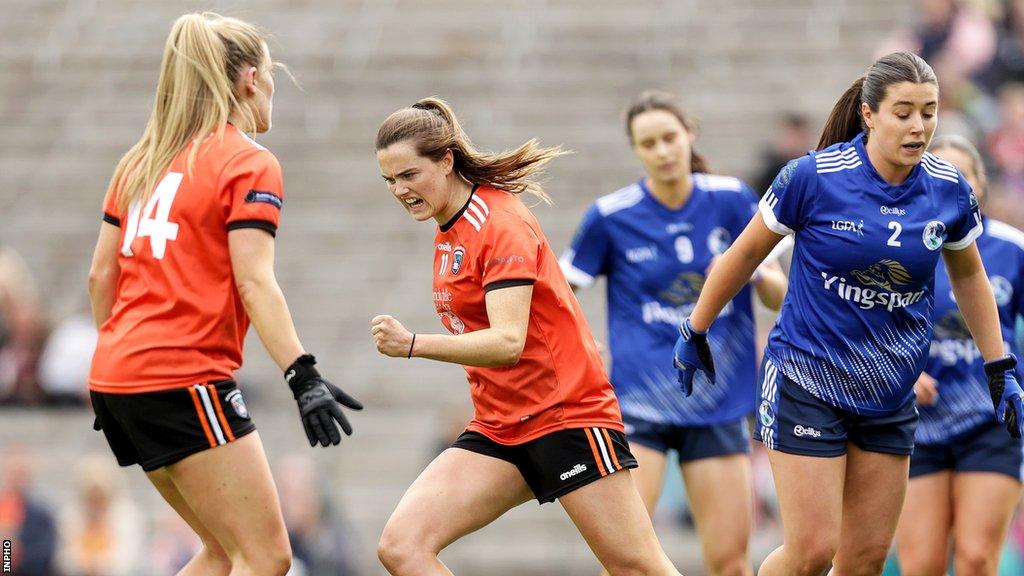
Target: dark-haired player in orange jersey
(547,424)
(184,260)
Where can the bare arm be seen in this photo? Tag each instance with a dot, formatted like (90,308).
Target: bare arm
(252,259)
(974,297)
(770,285)
(733,270)
(104,272)
(508,312)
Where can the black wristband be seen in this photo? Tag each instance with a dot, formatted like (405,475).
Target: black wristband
(301,371)
(998,367)
(411,344)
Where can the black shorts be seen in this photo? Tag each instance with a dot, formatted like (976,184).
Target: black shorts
(987,448)
(156,429)
(560,462)
(690,442)
(792,420)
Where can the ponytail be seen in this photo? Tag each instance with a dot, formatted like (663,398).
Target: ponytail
(845,122)
(433,130)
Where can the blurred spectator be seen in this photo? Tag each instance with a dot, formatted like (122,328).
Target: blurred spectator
(1008,62)
(24,519)
(101,530)
(321,540)
(21,330)
(1006,143)
(66,358)
(792,139)
(173,544)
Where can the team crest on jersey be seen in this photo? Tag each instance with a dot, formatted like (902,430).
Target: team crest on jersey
(234,398)
(684,289)
(453,323)
(785,175)
(719,240)
(1001,289)
(457,257)
(766,413)
(934,235)
(887,274)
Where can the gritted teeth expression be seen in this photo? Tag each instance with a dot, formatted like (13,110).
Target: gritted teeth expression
(662,144)
(905,121)
(417,182)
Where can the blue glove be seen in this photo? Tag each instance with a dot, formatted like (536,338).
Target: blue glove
(1007,396)
(692,353)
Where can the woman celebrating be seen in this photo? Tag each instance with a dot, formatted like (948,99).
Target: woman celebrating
(546,421)
(183,261)
(655,240)
(871,211)
(965,474)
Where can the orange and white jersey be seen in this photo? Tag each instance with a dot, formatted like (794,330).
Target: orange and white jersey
(559,382)
(177,318)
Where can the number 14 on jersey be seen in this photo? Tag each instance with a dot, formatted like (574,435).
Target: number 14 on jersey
(151,220)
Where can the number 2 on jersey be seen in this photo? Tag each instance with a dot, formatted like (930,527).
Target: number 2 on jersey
(152,220)
(896,229)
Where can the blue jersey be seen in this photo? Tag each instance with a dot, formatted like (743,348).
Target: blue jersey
(655,259)
(954,360)
(856,323)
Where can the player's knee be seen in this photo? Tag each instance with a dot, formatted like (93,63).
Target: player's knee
(398,550)
(975,559)
(814,557)
(735,563)
(866,562)
(635,565)
(921,564)
(273,559)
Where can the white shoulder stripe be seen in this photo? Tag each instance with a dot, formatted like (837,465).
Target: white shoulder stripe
(838,162)
(480,202)
(1004,231)
(620,200)
(940,175)
(476,212)
(839,168)
(718,182)
(835,155)
(766,207)
(469,218)
(939,162)
(251,141)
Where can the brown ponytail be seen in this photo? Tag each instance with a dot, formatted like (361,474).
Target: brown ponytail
(432,127)
(845,122)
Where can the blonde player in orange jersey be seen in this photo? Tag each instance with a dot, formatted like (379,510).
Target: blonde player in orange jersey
(547,424)
(184,261)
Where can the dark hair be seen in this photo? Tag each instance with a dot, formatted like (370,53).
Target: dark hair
(650,100)
(845,121)
(432,127)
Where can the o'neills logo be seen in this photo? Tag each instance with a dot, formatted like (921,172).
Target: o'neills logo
(577,469)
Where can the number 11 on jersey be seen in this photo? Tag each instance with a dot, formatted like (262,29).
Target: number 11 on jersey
(152,220)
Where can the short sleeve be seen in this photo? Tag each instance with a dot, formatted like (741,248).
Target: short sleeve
(110,213)
(968,224)
(783,207)
(254,190)
(509,252)
(586,257)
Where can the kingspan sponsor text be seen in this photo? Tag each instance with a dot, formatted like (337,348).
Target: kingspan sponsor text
(868,298)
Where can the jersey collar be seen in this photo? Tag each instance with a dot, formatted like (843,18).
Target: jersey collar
(448,225)
(893,190)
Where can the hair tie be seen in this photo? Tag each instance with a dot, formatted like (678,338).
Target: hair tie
(420,106)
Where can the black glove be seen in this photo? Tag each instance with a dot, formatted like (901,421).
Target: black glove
(318,402)
(1007,397)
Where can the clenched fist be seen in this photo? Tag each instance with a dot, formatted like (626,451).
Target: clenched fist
(391,338)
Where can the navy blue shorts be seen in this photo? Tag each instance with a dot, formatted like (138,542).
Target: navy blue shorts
(690,442)
(792,420)
(987,448)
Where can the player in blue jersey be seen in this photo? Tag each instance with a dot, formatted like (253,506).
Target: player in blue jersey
(871,212)
(654,240)
(965,474)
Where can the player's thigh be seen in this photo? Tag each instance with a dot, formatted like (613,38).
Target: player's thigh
(875,486)
(721,497)
(810,494)
(611,517)
(649,475)
(923,531)
(232,492)
(459,492)
(161,480)
(983,506)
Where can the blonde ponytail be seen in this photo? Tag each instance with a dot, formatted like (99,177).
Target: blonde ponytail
(203,56)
